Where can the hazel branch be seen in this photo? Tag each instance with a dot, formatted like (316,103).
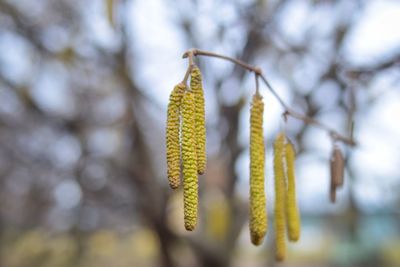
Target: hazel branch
(257,84)
(189,69)
(258,72)
(198,52)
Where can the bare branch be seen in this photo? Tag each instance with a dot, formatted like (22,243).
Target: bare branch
(288,111)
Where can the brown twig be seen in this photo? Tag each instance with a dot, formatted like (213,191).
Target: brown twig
(257,84)
(288,111)
(189,69)
(198,52)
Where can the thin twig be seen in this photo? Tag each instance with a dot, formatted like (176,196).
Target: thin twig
(288,111)
(198,52)
(257,84)
(190,67)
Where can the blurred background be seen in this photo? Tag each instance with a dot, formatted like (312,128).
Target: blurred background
(84,87)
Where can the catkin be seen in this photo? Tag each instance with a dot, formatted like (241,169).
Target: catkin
(190,183)
(172,135)
(332,192)
(337,172)
(337,167)
(292,211)
(258,216)
(280,220)
(197,88)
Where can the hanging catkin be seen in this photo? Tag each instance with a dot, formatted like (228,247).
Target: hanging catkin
(190,186)
(337,172)
(332,191)
(280,188)
(292,211)
(172,135)
(197,88)
(337,166)
(258,216)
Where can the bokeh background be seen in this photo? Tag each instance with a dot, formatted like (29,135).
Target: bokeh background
(84,86)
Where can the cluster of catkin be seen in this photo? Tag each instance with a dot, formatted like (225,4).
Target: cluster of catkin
(186,142)
(287,217)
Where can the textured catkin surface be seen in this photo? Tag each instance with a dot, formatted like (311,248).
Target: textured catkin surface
(279,211)
(258,215)
(172,135)
(197,88)
(190,185)
(337,167)
(292,211)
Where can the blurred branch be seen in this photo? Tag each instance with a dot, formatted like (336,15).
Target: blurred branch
(25,28)
(381,66)
(288,111)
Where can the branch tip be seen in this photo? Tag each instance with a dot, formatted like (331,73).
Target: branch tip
(192,51)
(259,74)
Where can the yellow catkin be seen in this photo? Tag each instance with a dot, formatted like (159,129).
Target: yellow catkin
(280,218)
(190,183)
(197,88)
(258,215)
(172,135)
(292,211)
